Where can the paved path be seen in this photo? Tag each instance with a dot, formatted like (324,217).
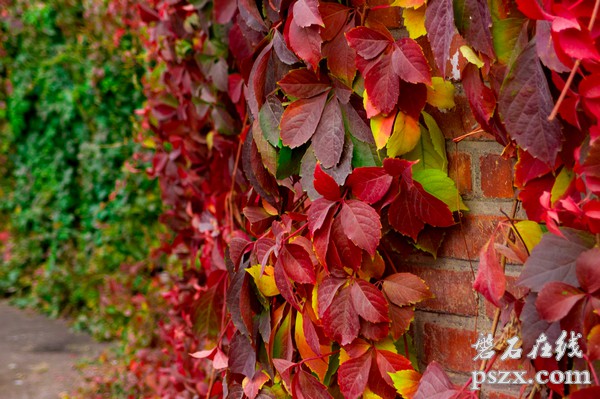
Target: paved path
(38,355)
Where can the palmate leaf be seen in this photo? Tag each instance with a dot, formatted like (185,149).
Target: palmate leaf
(435,384)
(297,264)
(361,224)
(556,300)
(300,120)
(369,184)
(340,320)
(306,386)
(525,103)
(305,42)
(409,62)
(439,21)
(328,140)
(353,375)
(369,302)
(404,289)
(302,83)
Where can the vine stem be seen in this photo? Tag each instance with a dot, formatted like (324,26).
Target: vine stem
(569,81)
(592,369)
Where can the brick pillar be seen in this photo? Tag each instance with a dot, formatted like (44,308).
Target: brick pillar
(446,326)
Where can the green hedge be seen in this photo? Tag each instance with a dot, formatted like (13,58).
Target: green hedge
(74,213)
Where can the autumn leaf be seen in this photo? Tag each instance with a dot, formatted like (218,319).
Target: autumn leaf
(490,280)
(361,224)
(340,320)
(439,21)
(405,289)
(300,120)
(369,184)
(409,62)
(369,302)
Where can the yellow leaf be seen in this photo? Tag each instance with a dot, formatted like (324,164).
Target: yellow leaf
(406,382)
(530,232)
(561,184)
(414,21)
(405,137)
(149,143)
(368,394)
(386,344)
(382,129)
(369,107)
(407,3)
(441,94)
(470,55)
(266,282)
(319,365)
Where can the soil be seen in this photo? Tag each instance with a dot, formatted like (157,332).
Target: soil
(38,355)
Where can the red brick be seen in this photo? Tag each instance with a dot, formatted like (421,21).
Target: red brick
(464,241)
(451,347)
(452,289)
(459,168)
(458,121)
(496,176)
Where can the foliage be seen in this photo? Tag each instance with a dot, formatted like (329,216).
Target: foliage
(74,214)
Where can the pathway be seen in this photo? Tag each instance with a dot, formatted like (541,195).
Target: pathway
(38,355)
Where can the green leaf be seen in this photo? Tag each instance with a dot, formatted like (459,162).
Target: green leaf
(431,149)
(438,184)
(288,161)
(364,154)
(561,184)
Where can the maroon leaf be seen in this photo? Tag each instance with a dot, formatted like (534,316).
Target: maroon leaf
(328,141)
(369,302)
(490,281)
(545,47)
(439,22)
(306,13)
(335,17)
(250,14)
(409,62)
(525,103)
(374,331)
(588,270)
(284,368)
(382,83)
(302,83)
(556,300)
(367,42)
(321,239)
(297,264)
(435,384)
(475,25)
(305,42)
(353,375)
(300,120)
(362,225)
(340,57)
(224,10)
(369,184)
(281,49)
(586,393)
(254,384)
(317,213)
(533,325)
(326,186)
(242,356)
(310,333)
(481,98)
(405,289)
(340,320)
(306,386)
(345,253)
(554,259)
(356,125)
(326,292)
(257,79)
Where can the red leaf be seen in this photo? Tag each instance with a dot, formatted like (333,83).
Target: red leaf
(242,356)
(367,42)
(586,393)
(306,386)
(321,239)
(362,225)
(374,331)
(490,281)
(326,292)
(302,83)
(317,213)
(305,42)
(224,10)
(356,125)
(439,22)
(401,318)
(343,252)
(353,375)
(405,289)
(340,320)
(390,362)
(435,384)
(544,45)
(413,207)
(577,43)
(556,300)
(328,141)
(481,98)
(369,184)
(297,264)
(382,83)
(300,120)
(335,17)
(369,302)
(588,270)
(254,384)
(250,14)
(306,13)
(327,187)
(532,9)
(525,103)
(409,62)
(285,286)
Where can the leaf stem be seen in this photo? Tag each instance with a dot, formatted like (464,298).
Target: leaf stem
(565,89)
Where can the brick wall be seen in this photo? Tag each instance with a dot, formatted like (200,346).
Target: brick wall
(446,326)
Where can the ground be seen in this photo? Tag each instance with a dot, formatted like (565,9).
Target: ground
(38,355)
